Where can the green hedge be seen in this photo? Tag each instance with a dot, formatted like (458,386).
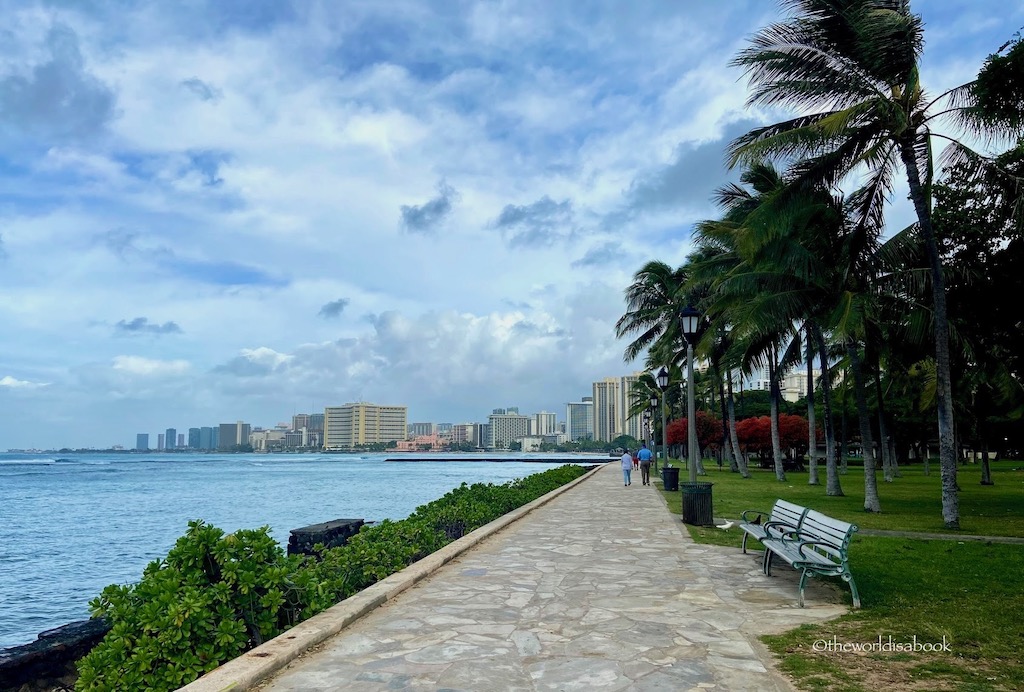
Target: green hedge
(218,595)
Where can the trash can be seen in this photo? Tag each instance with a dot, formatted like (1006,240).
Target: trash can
(697,504)
(670,477)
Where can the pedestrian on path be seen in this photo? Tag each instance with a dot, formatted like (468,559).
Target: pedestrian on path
(645,457)
(627,467)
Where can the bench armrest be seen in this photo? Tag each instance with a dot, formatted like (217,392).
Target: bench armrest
(760,515)
(781,525)
(804,544)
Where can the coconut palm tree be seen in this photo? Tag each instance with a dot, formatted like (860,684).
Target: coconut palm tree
(850,67)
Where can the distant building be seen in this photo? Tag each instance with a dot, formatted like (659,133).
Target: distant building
(421,429)
(300,421)
(544,423)
(611,408)
(181,440)
(579,419)
(444,428)
(170,436)
(422,443)
(193,438)
(233,435)
(160,442)
(505,428)
(316,422)
(361,423)
(206,438)
(142,442)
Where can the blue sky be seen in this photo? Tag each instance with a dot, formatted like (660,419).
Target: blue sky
(214,210)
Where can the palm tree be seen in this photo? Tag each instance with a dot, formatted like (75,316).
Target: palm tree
(653,302)
(851,68)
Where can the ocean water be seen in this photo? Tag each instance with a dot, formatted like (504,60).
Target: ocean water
(69,526)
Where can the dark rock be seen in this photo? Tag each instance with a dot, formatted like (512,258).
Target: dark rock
(48,663)
(330,533)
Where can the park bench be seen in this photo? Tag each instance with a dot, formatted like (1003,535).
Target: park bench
(820,545)
(785,516)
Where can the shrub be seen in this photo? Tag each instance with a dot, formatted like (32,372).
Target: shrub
(216,596)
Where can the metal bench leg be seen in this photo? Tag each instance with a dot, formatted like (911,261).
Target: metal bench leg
(767,566)
(803,582)
(853,590)
(744,546)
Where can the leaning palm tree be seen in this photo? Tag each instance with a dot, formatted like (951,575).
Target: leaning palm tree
(850,67)
(653,302)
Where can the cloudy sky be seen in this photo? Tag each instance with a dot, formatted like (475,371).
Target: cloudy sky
(214,210)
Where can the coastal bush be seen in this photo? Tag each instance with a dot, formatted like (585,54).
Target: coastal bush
(216,596)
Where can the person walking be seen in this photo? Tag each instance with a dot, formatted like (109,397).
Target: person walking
(627,467)
(645,457)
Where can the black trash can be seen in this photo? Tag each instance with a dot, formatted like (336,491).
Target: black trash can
(670,477)
(697,504)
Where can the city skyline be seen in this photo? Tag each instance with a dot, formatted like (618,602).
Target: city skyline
(267,207)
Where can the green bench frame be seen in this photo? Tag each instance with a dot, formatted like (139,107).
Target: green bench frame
(819,546)
(785,516)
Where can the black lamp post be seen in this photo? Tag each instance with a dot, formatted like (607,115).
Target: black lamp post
(654,443)
(662,380)
(689,320)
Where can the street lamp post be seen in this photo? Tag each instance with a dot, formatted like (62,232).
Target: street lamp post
(689,319)
(662,380)
(654,443)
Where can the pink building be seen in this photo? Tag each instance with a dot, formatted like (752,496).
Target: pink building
(422,443)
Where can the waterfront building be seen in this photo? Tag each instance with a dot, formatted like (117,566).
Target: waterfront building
(422,443)
(421,429)
(506,427)
(300,421)
(579,419)
(142,442)
(544,423)
(361,423)
(181,440)
(611,408)
(316,422)
(160,442)
(193,438)
(466,432)
(443,428)
(169,437)
(233,435)
(206,438)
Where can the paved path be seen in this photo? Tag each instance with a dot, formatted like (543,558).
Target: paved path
(600,589)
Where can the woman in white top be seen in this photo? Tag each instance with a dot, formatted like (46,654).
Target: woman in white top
(627,467)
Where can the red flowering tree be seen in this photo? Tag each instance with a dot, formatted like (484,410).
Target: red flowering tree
(755,434)
(709,431)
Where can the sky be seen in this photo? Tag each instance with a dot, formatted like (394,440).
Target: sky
(217,210)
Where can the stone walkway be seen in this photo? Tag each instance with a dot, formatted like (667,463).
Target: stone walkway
(599,589)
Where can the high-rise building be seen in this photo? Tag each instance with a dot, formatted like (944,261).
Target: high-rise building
(505,428)
(142,442)
(206,438)
(181,440)
(419,429)
(443,428)
(544,423)
(170,436)
(193,438)
(160,442)
(300,421)
(612,402)
(579,419)
(233,435)
(316,422)
(361,423)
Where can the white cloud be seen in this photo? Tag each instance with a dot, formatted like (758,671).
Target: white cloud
(12,383)
(229,179)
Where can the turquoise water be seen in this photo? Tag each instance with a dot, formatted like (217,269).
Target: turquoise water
(70,526)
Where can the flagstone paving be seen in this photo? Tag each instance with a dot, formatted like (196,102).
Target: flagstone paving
(600,589)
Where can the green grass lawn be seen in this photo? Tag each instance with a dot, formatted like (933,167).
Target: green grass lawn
(970,592)
(910,503)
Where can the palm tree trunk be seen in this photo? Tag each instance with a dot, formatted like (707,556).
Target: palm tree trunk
(728,453)
(842,440)
(741,461)
(986,468)
(812,431)
(832,485)
(943,375)
(871,501)
(883,430)
(774,396)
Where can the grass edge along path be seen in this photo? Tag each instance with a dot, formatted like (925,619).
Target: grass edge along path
(961,598)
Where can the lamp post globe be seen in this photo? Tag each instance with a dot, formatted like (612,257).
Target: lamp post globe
(662,378)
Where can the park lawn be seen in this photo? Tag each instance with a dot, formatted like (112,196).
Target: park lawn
(910,503)
(969,592)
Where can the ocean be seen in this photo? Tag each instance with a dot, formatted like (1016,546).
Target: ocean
(72,524)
